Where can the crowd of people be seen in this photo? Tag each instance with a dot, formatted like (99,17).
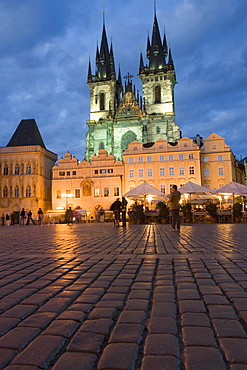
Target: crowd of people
(25,218)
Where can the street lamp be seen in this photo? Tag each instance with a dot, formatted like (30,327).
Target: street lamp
(66,196)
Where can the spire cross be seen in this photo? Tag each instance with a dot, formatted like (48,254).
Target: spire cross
(128,76)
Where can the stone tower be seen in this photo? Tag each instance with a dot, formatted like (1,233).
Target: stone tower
(118,115)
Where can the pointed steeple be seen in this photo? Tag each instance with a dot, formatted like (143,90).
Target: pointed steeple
(112,60)
(165,49)
(157,55)
(148,48)
(89,74)
(170,60)
(119,76)
(141,65)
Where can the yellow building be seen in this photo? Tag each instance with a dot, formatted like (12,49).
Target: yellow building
(87,186)
(25,172)
(219,165)
(162,164)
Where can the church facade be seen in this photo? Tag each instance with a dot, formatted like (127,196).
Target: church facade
(118,115)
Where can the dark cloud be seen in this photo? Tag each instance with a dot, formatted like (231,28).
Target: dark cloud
(45,47)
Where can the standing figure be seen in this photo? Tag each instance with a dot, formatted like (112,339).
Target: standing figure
(12,217)
(116,208)
(174,207)
(7,219)
(40,216)
(22,214)
(69,216)
(124,210)
(29,217)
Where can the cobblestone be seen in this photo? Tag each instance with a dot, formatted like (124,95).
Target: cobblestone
(96,297)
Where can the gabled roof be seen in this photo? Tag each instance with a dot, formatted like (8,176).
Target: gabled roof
(27,133)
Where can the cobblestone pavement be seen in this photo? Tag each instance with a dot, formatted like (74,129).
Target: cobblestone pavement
(93,296)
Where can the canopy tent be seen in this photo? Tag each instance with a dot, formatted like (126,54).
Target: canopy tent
(192,188)
(233,188)
(142,191)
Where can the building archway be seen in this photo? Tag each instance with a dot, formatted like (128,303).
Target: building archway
(127,138)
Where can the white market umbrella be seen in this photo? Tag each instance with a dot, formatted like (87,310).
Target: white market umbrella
(192,188)
(233,188)
(143,190)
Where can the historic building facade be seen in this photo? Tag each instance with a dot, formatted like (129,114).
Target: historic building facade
(119,115)
(25,171)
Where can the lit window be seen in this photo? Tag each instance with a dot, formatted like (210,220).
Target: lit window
(171,171)
(61,173)
(221,171)
(163,188)
(116,191)
(110,170)
(162,171)
(191,170)
(28,191)
(171,157)
(131,173)
(131,159)
(77,193)
(150,172)
(28,169)
(206,172)
(220,157)
(140,159)
(181,157)
(59,194)
(106,192)
(102,171)
(181,171)
(162,158)
(141,172)
(149,158)
(96,192)
(191,156)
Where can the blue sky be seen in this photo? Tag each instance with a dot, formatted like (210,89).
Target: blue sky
(45,47)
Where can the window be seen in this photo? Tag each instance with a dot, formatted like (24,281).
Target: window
(110,170)
(157,94)
(171,171)
(161,146)
(96,192)
(116,191)
(220,157)
(140,159)
(157,130)
(205,159)
(67,192)
(17,169)
(191,156)
(77,193)
(135,148)
(61,173)
(106,192)
(131,159)
(171,157)
(221,171)
(150,172)
(181,171)
(131,173)
(6,170)
(214,146)
(28,169)
(191,170)
(68,173)
(163,188)
(96,172)
(162,171)
(162,158)
(17,192)
(28,191)
(149,158)
(73,173)
(59,194)
(141,172)
(206,172)
(181,157)
(102,101)
(220,185)
(185,145)
(5,192)
(102,171)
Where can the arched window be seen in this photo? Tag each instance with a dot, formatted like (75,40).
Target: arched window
(157,130)
(17,192)
(102,101)
(5,192)
(34,190)
(157,94)
(28,169)
(6,170)
(28,191)
(101,145)
(17,169)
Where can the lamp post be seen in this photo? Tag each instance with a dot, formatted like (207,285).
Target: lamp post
(67,196)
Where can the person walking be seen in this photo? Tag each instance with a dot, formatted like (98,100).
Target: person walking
(174,207)
(124,210)
(29,218)
(7,219)
(116,208)
(40,217)
(22,217)
(69,216)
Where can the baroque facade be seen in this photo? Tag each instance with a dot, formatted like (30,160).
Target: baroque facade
(25,171)
(118,115)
